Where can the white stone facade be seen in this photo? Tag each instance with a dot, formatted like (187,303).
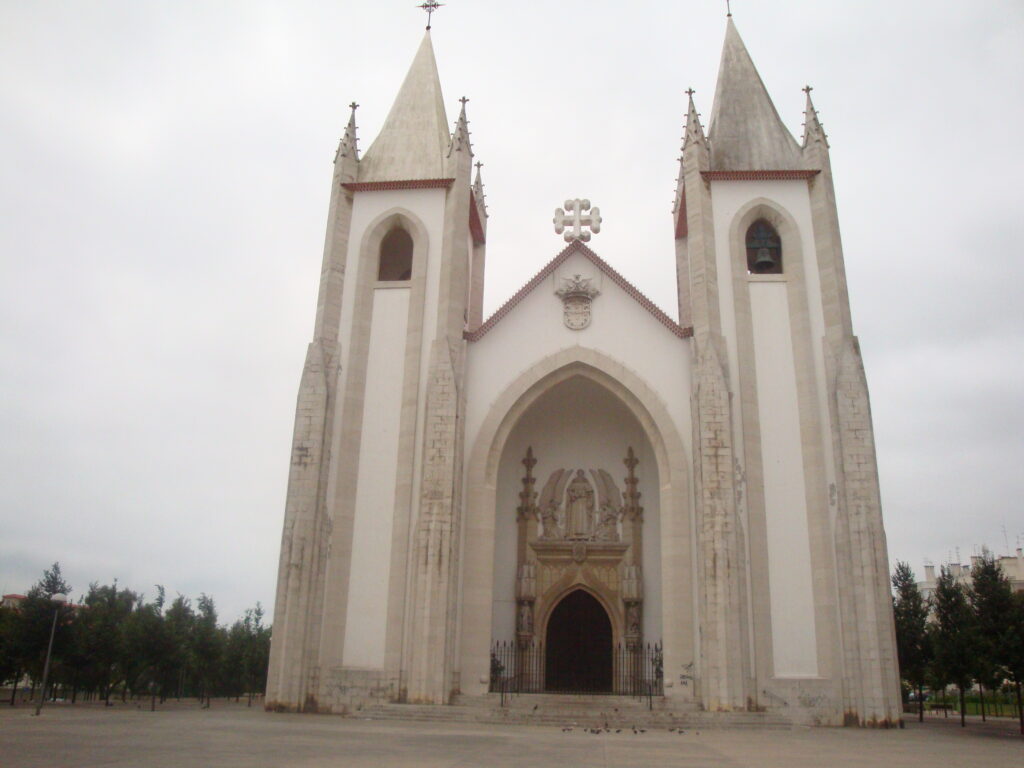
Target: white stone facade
(713,488)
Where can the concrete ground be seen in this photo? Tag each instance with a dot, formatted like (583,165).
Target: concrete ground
(231,735)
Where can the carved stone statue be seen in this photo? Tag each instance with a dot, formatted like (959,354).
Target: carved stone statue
(549,522)
(525,619)
(550,501)
(633,619)
(609,510)
(579,507)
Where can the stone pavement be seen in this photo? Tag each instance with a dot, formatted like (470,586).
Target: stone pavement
(230,735)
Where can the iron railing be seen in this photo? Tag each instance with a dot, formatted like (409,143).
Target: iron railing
(626,671)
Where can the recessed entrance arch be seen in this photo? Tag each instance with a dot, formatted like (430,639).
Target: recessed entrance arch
(494,467)
(578,647)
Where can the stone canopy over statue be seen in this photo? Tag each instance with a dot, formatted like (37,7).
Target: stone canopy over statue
(570,509)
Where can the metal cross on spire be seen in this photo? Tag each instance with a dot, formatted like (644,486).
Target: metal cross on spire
(728,9)
(430,6)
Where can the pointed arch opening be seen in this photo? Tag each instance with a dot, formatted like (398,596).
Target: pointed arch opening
(764,249)
(395,263)
(578,645)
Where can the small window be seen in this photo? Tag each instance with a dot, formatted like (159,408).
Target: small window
(395,256)
(764,249)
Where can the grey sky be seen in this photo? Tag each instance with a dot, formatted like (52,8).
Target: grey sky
(166,170)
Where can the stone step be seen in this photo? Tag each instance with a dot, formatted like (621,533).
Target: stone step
(580,717)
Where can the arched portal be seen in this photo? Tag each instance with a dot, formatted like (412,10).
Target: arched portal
(578,646)
(549,396)
(577,560)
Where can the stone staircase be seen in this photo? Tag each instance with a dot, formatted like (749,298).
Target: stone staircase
(561,711)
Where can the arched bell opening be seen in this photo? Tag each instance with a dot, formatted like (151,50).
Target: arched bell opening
(578,646)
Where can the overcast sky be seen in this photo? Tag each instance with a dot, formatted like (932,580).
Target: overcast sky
(165,177)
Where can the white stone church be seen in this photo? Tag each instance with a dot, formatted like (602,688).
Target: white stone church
(537,503)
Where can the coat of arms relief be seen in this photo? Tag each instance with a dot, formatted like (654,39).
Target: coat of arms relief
(577,293)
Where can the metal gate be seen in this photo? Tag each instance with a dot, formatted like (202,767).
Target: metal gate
(520,668)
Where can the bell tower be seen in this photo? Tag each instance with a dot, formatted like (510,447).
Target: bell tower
(366,586)
(792,566)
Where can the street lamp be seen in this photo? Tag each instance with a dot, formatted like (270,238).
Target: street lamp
(59,599)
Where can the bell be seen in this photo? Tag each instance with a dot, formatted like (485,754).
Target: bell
(764,261)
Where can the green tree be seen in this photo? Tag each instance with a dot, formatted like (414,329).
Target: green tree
(991,597)
(31,636)
(954,636)
(207,647)
(913,644)
(100,635)
(1014,650)
(179,620)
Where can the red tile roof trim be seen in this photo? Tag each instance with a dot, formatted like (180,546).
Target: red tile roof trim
(758,175)
(577,247)
(378,186)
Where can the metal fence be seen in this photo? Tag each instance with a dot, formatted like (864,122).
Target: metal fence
(626,671)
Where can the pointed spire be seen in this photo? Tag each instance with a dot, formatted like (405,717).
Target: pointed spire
(460,136)
(348,147)
(412,143)
(478,189)
(746,133)
(694,130)
(814,132)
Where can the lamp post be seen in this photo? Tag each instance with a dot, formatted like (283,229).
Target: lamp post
(59,599)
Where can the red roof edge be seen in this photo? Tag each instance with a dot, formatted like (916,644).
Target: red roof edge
(578,247)
(378,186)
(758,175)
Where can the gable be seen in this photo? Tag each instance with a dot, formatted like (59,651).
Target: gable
(553,266)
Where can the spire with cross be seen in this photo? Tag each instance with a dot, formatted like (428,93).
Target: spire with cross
(430,6)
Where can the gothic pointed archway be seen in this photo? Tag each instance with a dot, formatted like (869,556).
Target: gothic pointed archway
(578,647)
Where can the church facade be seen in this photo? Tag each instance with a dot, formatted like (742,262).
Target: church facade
(538,502)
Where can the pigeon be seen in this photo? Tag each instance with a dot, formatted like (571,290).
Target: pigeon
(643,730)
(618,730)
(535,707)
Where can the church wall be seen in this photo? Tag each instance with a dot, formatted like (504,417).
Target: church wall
(423,210)
(577,425)
(779,500)
(789,556)
(366,623)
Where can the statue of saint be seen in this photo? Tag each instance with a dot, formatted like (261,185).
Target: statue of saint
(525,618)
(580,507)
(549,521)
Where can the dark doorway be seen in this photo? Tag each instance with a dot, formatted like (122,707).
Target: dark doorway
(579,646)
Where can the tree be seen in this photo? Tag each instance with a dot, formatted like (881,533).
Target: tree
(31,635)
(207,647)
(913,645)
(954,635)
(1014,650)
(991,597)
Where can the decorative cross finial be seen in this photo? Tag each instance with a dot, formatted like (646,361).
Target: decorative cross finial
(575,219)
(807,89)
(430,6)
(690,92)
(478,165)
(353,106)
(463,101)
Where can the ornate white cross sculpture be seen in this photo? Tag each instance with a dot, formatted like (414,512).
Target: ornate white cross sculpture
(575,219)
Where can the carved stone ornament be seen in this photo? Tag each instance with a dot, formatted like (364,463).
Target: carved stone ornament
(576,294)
(579,551)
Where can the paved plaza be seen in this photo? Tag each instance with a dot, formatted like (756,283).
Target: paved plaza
(231,735)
